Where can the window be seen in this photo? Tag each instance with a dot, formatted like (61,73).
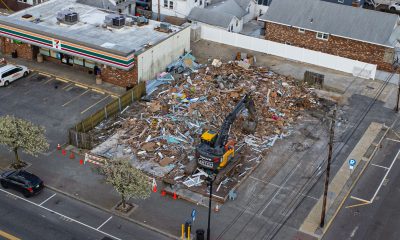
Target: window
(322,36)
(78,61)
(166,3)
(89,64)
(171,5)
(54,54)
(302,30)
(195,1)
(6,74)
(44,52)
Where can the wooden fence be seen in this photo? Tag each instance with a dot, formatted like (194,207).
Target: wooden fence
(79,135)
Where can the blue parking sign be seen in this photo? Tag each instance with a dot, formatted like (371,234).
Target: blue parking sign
(352,162)
(193,214)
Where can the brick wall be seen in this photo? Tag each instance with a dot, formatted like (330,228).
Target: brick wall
(23,50)
(361,51)
(120,77)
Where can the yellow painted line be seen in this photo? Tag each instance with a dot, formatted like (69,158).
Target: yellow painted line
(45,74)
(98,91)
(81,86)
(8,236)
(87,109)
(66,86)
(65,104)
(360,199)
(358,205)
(51,79)
(114,96)
(62,79)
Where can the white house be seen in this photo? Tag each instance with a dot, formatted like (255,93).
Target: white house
(177,8)
(229,15)
(121,6)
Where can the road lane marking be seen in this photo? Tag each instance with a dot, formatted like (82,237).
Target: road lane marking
(360,199)
(87,109)
(76,97)
(274,185)
(8,236)
(376,165)
(61,215)
(47,199)
(104,223)
(279,190)
(383,179)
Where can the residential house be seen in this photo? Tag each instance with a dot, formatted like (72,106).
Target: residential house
(16,5)
(229,15)
(177,8)
(354,3)
(349,32)
(126,49)
(120,6)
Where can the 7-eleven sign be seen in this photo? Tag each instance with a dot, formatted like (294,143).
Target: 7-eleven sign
(56,44)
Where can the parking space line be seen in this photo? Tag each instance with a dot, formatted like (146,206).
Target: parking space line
(391,139)
(87,109)
(104,223)
(8,236)
(376,165)
(69,84)
(45,74)
(98,91)
(360,199)
(61,215)
(76,97)
(47,199)
(81,86)
(51,79)
(62,79)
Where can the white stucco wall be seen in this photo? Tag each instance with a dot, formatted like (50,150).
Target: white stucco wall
(235,28)
(154,60)
(181,8)
(261,8)
(251,12)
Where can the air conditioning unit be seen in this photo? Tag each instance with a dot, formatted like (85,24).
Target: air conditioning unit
(67,16)
(142,20)
(115,20)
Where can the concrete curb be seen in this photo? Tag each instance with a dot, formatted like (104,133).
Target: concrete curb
(114,213)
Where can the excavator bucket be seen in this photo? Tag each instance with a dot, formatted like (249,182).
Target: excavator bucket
(249,126)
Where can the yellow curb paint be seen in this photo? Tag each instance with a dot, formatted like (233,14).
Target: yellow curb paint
(81,86)
(98,91)
(8,236)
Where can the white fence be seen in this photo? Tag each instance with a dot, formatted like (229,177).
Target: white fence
(357,68)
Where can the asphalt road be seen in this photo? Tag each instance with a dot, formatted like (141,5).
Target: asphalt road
(51,215)
(371,210)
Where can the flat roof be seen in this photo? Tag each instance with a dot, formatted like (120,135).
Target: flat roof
(88,31)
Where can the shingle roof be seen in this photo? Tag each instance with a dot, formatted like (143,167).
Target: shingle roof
(230,6)
(336,19)
(211,17)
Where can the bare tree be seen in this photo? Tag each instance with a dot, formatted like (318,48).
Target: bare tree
(16,133)
(128,181)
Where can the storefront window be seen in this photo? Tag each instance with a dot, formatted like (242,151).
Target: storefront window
(78,61)
(54,54)
(45,52)
(89,64)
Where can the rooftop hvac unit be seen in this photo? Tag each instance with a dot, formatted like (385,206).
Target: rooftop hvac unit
(142,20)
(115,20)
(165,26)
(67,16)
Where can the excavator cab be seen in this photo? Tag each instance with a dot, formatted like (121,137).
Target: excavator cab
(209,137)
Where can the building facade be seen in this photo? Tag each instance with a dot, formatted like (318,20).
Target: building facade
(125,54)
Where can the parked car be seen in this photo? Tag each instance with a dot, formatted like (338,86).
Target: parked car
(10,73)
(26,183)
(394,6)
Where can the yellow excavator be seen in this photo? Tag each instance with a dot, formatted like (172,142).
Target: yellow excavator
(215,151)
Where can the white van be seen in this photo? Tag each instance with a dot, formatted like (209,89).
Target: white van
(10,73)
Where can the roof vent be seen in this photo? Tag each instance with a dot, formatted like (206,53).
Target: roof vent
(114,20)
(67,16)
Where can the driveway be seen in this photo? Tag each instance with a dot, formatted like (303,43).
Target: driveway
(54,104)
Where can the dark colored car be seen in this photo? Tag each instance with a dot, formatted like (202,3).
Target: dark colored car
(26,183)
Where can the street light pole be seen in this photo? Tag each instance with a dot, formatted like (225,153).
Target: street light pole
(210,180)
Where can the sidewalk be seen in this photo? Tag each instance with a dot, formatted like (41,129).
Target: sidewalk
(67,73)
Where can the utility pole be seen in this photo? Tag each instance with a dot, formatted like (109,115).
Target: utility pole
(158,13)
(210,181)
(398,95)
(328,167)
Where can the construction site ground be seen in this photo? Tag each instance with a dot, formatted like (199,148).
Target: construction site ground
(276,198)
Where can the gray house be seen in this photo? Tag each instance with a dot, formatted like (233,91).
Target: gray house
(127,7)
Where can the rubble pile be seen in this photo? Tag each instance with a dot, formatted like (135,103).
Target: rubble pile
(169,126)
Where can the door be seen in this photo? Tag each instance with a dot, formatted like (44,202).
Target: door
(66,59)
(15,183)
(15,73)
(35,52)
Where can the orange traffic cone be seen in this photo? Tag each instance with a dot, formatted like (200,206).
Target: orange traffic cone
(71,156)
(155,188)
(163,193)
(81,161)
(175,196)
(58,147)
(216,209)
(64,152)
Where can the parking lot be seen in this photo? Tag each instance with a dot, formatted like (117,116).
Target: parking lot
(57,105)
